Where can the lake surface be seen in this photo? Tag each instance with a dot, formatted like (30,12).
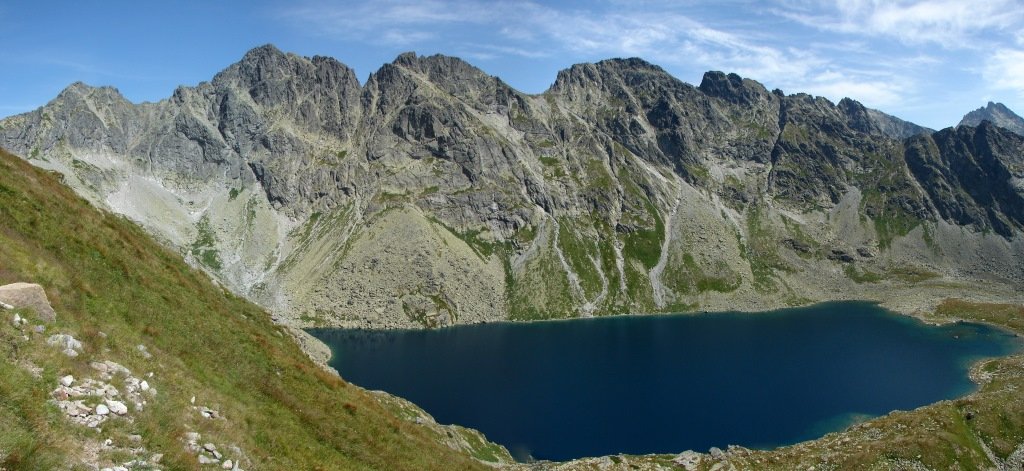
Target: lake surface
(668,383)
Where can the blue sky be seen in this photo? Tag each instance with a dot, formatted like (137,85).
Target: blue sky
(926,61)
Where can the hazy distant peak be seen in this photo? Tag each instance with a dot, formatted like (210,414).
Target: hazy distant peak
(996,113)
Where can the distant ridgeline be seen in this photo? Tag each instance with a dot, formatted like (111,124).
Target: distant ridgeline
(435,194)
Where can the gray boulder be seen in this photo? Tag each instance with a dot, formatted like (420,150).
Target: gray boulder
(28,295)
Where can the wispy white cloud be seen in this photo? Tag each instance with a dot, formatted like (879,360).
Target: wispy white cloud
(1004,70)
(950,23)
(398,22)
(874,93)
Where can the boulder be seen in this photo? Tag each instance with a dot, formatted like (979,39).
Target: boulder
(716,453)
(117,407)
(68,344)
(689,460)
(28,295)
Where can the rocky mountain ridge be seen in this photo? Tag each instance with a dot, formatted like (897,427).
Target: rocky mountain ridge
(435,194)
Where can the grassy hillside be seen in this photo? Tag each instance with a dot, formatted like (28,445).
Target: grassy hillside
(115,289)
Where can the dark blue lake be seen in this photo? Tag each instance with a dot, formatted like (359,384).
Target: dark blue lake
(668,383)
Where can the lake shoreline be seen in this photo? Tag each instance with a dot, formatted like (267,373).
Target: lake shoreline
(801,321)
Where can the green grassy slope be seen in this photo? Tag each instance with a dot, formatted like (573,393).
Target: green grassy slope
(114,288)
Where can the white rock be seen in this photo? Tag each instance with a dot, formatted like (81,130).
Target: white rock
(227,464)
(192,437)
(71,352)
(117,407)
(210,447)
(67,380)
(65,342)
(204,460)
(144,385)
(16,321)
(193,400)
(102,410)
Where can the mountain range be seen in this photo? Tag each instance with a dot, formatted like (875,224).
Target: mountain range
(435,194)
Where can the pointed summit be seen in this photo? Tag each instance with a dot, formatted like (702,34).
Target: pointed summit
(998,114)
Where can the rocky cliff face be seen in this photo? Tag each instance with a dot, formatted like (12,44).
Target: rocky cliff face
(996,113)
(435,194)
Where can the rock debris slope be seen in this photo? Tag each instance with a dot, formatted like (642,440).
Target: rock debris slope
(435,194)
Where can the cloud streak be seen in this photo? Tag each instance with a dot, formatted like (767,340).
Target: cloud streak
(955,24)
(1004,70)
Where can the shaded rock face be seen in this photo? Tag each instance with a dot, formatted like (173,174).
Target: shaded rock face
(996,113)
(620,189)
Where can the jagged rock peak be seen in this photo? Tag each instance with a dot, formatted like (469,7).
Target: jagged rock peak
(732,87)
(631,70)
(439,66)
(268,63)
(998,114)
(84,89)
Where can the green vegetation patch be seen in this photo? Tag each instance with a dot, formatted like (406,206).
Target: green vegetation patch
(578,251)
(762,251)
(689,277)
(203,247)
(861,275)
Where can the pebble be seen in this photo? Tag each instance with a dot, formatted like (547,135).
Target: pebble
(204,460)
(66,381)
(102,410)
(210,447)
(227,464)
